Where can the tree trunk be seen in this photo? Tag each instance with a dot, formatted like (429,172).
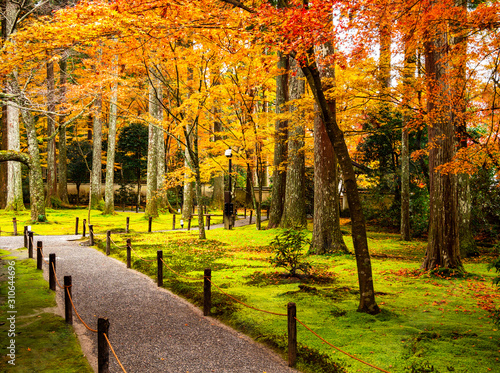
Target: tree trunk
(458,41)
(37,202)
(218,194)
(3,165)
(14,198)
(408,77)
(109,204)
(327,236)
(280,146)
(14,186)
(155,142)
(367,294)
(51,143)
(96,174)
(62,147)
(443,248)
(161,164)
(294,212)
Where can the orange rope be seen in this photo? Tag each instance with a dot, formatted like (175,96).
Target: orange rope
(55,276)
(114,243)
(113,351)
(178,274)
(41,252)
(246,305)
(338,349)
(146,260)
(83,322)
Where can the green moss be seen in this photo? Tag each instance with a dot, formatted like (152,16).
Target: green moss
(44,342)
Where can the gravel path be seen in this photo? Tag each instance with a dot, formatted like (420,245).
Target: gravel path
(151,329)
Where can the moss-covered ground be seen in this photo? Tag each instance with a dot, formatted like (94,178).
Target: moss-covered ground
(429,322)
(43,342)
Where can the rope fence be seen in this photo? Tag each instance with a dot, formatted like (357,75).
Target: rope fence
(102,334)
(70,306)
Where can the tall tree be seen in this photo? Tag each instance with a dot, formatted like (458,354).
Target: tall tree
(109,193)
(96,174)
(14,199)
(458,44)
(327,237)
(155,111)
(62,146)
(408,80)
(51,127)
(294,212)
(443,249)
(280,145)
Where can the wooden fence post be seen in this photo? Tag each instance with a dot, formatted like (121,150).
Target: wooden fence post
(14,223)
(68,310)
(245,212)
(173,222)
(207,292)
(127,224)
(39,258)
(76,226)
(102,346)
(26,236)
(189,223)
(251,213)
(159,272)
(150,223)
(292,334)
(208,222)
(108,242)
(52,271)
(91,234)
(129,253)
(30,244)
(84,226)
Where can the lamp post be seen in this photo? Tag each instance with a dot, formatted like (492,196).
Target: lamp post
(228,206)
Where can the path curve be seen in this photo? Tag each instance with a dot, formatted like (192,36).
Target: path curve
(151,329)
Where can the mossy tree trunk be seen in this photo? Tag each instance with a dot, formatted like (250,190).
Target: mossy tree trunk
(327,236)
(443,248)
(294,212)
(280,146)
(367,301)
(96,174)
(51,142)
(109,200)
(62,146)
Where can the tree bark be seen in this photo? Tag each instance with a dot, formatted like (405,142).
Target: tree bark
(62,146)
(3,165)
(153,154)
(109,193)
(443,248)
(280,146)
(458,41)
(96,174)
(14,186)
(14,198)
(408,77)
(51,143)
(327,236)
(218,194)
(294,212)
(37,202)
(367,301)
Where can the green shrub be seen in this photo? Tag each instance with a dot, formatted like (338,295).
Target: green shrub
(288,251)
